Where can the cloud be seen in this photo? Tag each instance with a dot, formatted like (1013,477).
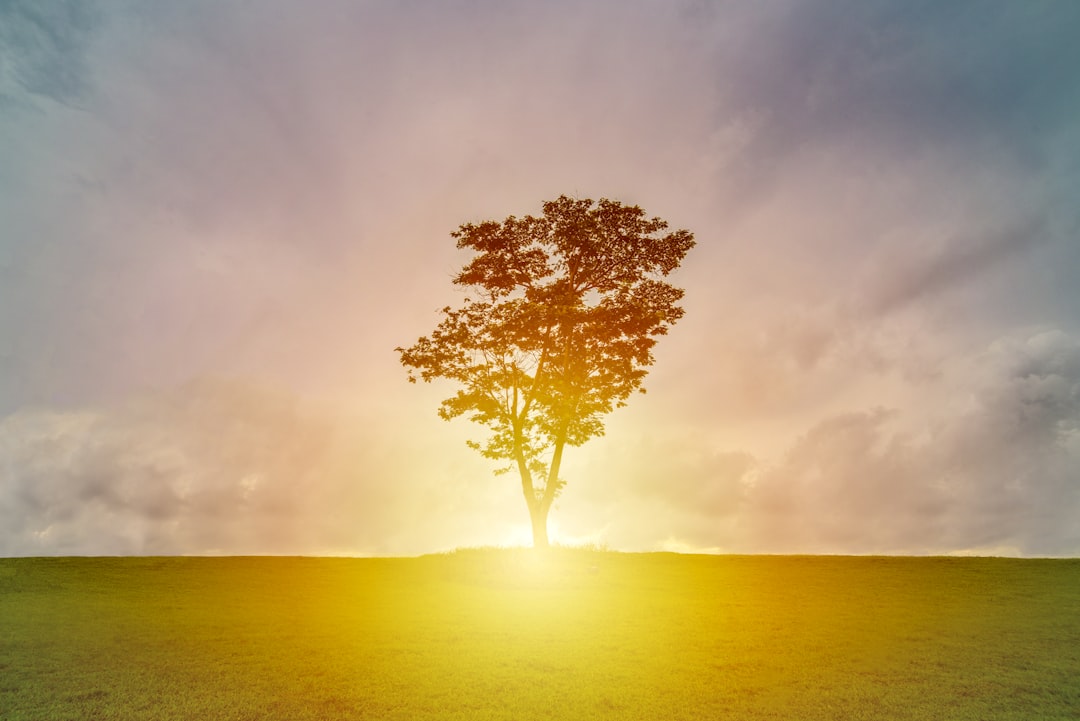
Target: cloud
(880,193)
(847,482)
(212,467)
(643,487)
(996,470)
(43,48)
(223,466)
(992,468)
(238,178)
(952,263)
(963,77)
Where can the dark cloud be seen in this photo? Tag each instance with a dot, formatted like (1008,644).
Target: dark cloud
(43,48)
(951,263)
(847,482)
(987,77)
(998,473)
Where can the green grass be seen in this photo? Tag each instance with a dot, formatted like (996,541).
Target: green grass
(502,635)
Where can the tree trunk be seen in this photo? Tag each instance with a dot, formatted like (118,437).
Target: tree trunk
(538,513)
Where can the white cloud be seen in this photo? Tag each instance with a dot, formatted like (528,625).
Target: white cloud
(995,467)
(225,466)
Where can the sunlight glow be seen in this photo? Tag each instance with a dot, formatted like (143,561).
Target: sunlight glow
(677,545)
(520,536)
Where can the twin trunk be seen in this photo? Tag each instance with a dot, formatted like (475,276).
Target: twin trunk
(539,506)
(538,513)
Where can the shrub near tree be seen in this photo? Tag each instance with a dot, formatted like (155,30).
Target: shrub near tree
(562,313)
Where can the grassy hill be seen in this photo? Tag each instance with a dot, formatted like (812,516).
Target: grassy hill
(508,634)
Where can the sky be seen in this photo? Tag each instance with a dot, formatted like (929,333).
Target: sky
(218,219)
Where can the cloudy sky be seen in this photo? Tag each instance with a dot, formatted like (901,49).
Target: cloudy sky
(217,220)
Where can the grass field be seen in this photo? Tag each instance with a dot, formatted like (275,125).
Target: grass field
(574,635)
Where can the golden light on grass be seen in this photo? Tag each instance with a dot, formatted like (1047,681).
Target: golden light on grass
(510,634)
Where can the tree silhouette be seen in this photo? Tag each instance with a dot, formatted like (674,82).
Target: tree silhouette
(557,330)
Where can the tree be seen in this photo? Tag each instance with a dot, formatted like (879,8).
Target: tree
(562,313)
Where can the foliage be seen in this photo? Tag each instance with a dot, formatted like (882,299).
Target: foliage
(558,329)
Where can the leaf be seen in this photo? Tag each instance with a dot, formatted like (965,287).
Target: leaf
(557,329)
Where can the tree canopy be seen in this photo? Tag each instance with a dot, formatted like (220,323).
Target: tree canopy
(556,331)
